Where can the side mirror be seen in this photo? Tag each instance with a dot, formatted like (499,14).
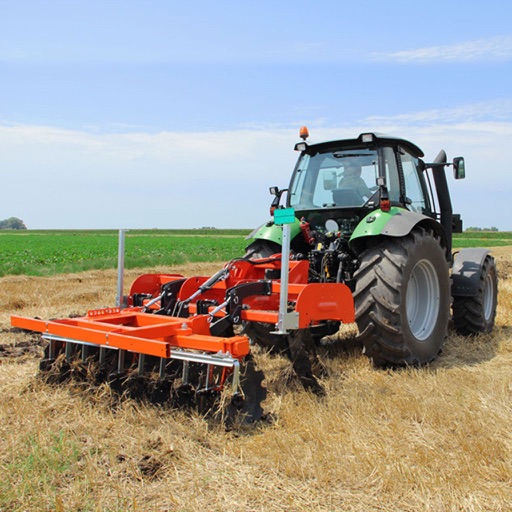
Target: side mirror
(277,198)
(330,180)
(459,169)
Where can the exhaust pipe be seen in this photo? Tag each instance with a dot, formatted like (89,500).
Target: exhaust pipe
(443,197)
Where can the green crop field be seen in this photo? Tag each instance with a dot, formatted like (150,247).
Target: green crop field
(47,253)
(482,239)
(55,252)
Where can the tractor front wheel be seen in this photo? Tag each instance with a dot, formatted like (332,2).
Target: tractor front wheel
(261,249)
(402,299)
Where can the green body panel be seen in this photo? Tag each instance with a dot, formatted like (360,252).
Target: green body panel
(369,227)
(398,222)
(270,231)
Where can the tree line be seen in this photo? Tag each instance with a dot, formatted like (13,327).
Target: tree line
(12,223)
(475,228)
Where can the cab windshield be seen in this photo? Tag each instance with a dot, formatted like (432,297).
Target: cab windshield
(342,178)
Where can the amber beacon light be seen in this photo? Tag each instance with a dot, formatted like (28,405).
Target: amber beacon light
(304,132)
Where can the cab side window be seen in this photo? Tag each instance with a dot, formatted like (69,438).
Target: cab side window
(413,188)
(391,171)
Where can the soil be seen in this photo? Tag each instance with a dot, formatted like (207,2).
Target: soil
(27,344)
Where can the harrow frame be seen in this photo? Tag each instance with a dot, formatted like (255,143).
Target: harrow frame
(184,339)
(170,317)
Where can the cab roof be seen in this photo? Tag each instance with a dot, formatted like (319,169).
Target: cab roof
(368,140)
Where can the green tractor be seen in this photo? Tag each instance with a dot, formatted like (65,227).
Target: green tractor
(363,237)
(372,214)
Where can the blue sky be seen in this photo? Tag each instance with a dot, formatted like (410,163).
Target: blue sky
(141,114)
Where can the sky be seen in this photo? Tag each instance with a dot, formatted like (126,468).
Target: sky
(171,114)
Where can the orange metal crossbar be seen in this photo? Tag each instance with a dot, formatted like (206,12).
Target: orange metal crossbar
(144,333)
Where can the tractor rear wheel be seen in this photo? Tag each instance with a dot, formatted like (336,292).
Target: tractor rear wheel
(402,299)
(475,315)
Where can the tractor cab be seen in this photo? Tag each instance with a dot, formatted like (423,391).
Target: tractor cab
(345,180)
(349,178)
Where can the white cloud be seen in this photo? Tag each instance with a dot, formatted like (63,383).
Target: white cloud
(55,178)
(495,48)
(496,110)
(63,178)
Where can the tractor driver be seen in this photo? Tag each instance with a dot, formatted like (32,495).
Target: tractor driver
(352,179)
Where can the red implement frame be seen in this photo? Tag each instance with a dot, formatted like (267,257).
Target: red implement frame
(189,339)
(144,333)
(313,302)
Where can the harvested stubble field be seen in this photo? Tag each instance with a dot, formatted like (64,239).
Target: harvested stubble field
(437,438)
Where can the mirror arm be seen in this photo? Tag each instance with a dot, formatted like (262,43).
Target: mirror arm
(277,198)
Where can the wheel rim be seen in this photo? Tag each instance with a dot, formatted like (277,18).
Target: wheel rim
(488,297)
(423,300)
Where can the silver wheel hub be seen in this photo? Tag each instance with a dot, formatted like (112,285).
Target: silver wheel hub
(423,300)
(488,297)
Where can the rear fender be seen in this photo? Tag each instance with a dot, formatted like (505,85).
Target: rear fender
(467,270)
(397,223)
